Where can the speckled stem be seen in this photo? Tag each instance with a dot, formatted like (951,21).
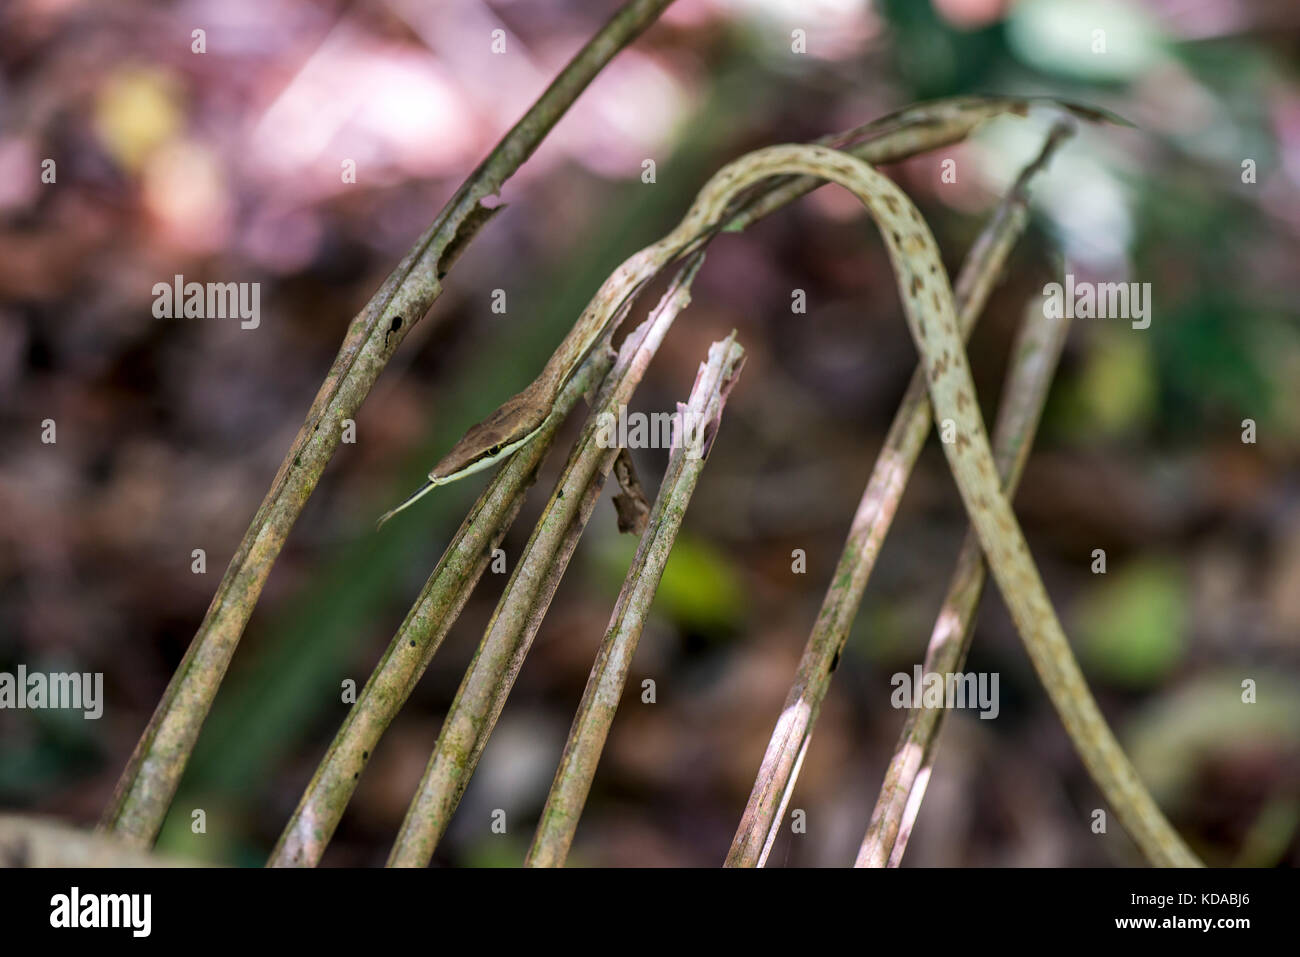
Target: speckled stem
(931,318)
(326,797)
(779,769)
(1033,362)
(604,689)
(536,575)
(931,315)
(148,784)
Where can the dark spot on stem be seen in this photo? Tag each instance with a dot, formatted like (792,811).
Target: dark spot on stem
(396,324)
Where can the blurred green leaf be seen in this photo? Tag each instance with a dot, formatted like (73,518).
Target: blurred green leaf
(496,851)
(1131,626)
(1089,39)
(1270,834)
(933,57)
(1179,731)
(1115,391)
(1207,361)
(700,589)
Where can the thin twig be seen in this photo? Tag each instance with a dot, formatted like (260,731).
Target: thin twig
(875,513)
(509,636)
(903,134)
(148,784)
(609,672)
(932,319)
(38,842)
(1034,356)
(417,640)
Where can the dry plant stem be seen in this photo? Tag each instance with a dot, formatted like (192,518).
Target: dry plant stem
(896,137)
(519,613)
(38,842)
(149,781)
(417,640)
(608,676)
(907,434)
(932,321)
(153,772)
(1034,356)
(970,564)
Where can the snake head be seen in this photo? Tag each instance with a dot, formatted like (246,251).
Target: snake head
(487,443)
(497,436)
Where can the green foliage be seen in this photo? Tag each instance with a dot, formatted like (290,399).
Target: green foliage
(1131,627)
(701,589)
(935,58)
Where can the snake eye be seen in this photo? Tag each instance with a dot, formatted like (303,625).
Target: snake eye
(496,449)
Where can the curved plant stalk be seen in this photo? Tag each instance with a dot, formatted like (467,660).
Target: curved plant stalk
(932,321)
(509,636)
(907,434)
(153,772)
(604,688)
(322,804)
(890,139)
(1033,363)
(905,133)
(519,417)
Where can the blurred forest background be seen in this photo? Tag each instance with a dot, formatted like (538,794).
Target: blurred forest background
(226,167)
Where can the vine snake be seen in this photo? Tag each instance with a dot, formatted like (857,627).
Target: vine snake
(931,319)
